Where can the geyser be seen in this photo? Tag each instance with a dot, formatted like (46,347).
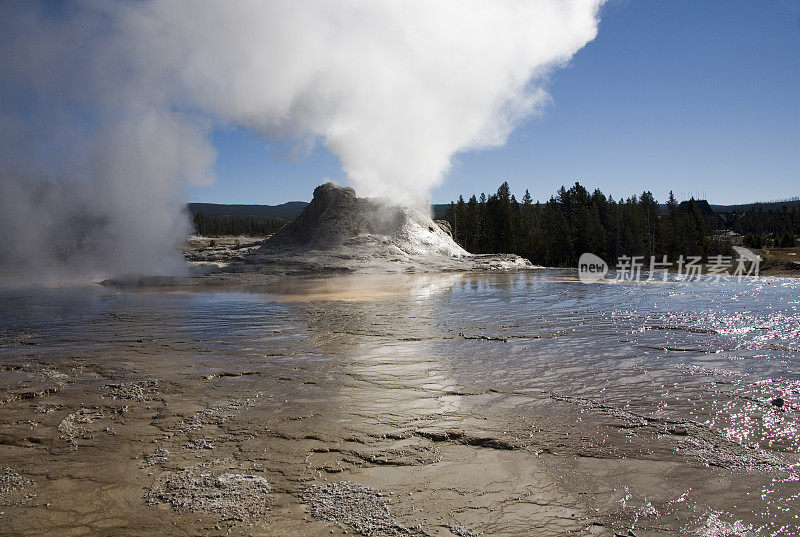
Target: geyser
(337,219)
(120,98)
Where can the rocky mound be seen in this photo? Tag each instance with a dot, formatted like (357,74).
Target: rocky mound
(338,220)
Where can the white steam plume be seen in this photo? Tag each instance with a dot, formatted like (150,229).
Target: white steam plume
(115,100)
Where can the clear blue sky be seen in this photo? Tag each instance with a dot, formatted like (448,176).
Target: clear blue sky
(681,95)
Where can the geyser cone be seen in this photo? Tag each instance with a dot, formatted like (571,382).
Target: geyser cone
(338,220)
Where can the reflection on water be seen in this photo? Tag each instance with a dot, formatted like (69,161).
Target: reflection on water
(670,381)
(361,287)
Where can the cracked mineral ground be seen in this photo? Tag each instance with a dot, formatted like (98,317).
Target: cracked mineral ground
(439,404)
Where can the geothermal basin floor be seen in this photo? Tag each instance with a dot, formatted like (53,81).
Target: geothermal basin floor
(439,404)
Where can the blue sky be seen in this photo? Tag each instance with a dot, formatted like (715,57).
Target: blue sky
(683,95)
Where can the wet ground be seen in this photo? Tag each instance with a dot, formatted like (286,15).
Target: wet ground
(494,404)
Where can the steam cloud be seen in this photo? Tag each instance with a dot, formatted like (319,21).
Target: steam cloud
(114,102)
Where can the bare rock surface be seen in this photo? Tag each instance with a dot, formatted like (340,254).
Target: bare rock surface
(13,488)
(363,509)
(219,251)
(235,496)
(73,426)
(140,390)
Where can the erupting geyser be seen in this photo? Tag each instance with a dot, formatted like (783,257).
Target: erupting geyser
(118,101)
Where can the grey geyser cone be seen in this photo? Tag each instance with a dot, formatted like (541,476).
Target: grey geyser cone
(337,219)
(334,215)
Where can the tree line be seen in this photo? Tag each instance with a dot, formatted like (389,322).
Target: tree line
(768,228)
(574,221)
(218,225)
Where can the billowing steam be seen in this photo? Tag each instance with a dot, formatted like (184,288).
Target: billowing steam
(106,107)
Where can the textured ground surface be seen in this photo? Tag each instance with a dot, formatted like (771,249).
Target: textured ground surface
(407,405)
